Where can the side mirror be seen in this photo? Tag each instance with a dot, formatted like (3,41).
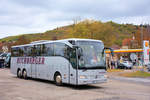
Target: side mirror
(75,46)
(80,52)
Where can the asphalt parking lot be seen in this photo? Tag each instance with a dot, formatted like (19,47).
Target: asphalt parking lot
(12,88)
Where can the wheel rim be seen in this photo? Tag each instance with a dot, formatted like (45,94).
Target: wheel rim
(58,79)
(24,74)
(19,73)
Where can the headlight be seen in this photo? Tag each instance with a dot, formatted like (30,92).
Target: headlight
(105,76)
(82,77)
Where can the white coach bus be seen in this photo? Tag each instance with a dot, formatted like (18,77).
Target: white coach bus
(71,61)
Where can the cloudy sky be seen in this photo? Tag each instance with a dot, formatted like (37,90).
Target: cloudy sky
(32,16)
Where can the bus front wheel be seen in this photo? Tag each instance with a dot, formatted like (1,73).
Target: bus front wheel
(58,79)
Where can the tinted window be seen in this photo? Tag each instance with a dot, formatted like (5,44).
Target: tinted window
(60,49)
(33,51)
(43,50)
(38,50)
(27,51)
(20,51)
(15,52)
(47,49)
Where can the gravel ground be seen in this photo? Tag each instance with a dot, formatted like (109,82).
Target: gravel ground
(12,88)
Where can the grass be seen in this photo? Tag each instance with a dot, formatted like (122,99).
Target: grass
(115,70)
(136,74)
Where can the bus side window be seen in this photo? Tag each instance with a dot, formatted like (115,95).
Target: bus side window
(21,51)
(25,51)
(66,52)
(43,50)
(14,52)
(33,51)
(38,50)
(29,53)
(60,49)
(47,49)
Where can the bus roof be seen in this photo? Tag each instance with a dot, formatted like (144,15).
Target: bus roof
(66,41)
(80,39)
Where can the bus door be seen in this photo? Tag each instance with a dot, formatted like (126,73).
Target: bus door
(73,67)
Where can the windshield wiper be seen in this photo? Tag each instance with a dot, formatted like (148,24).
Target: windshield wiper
(83,67)
(94,67)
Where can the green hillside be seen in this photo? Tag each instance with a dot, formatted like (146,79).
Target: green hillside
(110,33)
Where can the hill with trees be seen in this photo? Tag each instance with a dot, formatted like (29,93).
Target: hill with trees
(109,32)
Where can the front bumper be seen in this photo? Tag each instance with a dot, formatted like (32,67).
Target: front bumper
(91,81)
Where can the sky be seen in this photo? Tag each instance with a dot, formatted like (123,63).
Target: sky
(35,16)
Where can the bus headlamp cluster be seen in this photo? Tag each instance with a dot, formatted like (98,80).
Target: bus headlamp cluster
(83,77)
(105,76)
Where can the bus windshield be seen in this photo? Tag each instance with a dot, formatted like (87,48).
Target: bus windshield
(92,56)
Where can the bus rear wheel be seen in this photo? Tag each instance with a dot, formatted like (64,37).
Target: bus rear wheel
(58,80)
(19,73)
(25,74)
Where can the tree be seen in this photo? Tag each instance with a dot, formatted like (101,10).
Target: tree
(22,40)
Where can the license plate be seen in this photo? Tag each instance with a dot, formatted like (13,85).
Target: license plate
(94,81)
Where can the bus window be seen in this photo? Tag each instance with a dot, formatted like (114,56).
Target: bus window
(59,49)
(21,51)
(38,50)
(27,51)
(33,51)
(14,52)
(47,49)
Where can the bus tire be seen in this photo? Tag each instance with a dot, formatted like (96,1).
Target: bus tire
(24,74)
(19,73)
(58,79)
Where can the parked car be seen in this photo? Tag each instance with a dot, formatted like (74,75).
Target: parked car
(7,60)
(4,59)
(148,66)
(125,65)
(0,53)
(3,55)
(2,63)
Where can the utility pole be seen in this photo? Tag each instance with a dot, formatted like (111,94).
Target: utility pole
(141,34)
(142,42)
(91,35)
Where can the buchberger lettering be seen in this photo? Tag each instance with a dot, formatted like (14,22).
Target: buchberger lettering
(31,60)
